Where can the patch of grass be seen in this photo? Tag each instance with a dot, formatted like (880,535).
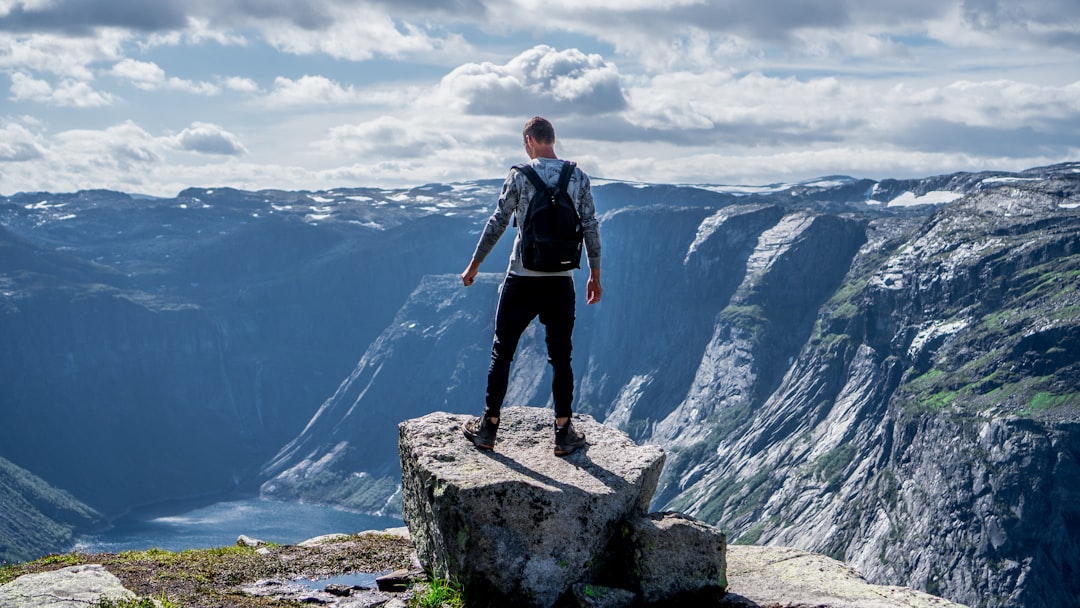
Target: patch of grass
(929,392)
(139,602)
(939,401)
(438,593)
(1044,401)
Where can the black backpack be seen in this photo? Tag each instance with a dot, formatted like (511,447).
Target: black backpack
(551,234)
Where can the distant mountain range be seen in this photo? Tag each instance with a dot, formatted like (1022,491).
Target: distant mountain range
(886,372)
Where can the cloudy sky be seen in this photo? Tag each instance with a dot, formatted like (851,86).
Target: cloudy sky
(155,96)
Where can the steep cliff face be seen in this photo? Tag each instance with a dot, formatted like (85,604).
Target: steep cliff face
(827,365)
(426,360)
(35,516)
(894,389)
(163,349)
(927,432)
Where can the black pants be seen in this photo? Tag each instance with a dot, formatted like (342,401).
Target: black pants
(521,301)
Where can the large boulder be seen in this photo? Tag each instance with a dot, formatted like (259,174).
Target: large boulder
(70,587)
(519,526)
(669,557)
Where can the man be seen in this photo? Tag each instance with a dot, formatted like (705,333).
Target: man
(527,294)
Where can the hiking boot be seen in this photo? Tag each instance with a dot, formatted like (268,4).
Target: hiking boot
(567,439)
(481,431)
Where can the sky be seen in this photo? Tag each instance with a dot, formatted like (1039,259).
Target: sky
(154,97)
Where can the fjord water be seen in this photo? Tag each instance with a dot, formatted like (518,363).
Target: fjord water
(220,524)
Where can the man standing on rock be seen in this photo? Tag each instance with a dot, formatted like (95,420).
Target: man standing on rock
(527,293)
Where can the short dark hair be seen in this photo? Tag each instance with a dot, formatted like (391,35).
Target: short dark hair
(540,129)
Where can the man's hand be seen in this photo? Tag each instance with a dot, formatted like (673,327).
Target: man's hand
(468,277)
(593,290)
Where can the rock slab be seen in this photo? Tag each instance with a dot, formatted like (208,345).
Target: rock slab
(75,586)
(518,525)
(781,577)
(669,555)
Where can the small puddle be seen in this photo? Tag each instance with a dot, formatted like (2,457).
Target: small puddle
(358,579)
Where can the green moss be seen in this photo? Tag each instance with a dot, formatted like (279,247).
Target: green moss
(139,602)
(830,466)
(10,572)
(930,391)
(1044,401)
(939,401)
(751,536)
(831,342)
(748,318)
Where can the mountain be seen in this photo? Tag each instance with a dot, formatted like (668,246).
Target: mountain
(36,517)
(882,371)
(190,338)
(926,430)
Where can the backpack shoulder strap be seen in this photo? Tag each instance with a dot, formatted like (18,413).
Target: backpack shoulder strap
(533,176)
(564,177)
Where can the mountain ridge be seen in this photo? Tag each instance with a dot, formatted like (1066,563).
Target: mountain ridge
(810,338)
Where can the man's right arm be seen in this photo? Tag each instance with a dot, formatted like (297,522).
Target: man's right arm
(468,277)
(591,228)
(494,228)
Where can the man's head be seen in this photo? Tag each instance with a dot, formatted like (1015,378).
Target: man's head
(540,129)
(539,136)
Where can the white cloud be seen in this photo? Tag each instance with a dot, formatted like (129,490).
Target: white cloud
(80,95)
(390,137)
(310,90)
(18,144)
(696,34)
(241,84)
(148,76)
(70,57)
(88,158)
(139,72)
(1001,103)
(209,139)
(1043,23)
(389,91)
(359,32)
(198,31)
(541,80)
(771,165)
(28,88)
(722,108)
(67,93)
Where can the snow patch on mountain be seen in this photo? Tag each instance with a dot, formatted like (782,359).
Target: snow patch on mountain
(937,197)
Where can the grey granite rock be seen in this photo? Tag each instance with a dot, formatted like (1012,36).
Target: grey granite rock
(76,586)
(519,524)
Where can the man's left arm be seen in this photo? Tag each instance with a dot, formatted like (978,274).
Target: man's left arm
(591,232)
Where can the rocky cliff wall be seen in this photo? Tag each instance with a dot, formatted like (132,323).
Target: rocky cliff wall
(926,434)
(157,350)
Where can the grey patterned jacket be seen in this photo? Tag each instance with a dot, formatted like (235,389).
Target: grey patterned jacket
(517,191)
